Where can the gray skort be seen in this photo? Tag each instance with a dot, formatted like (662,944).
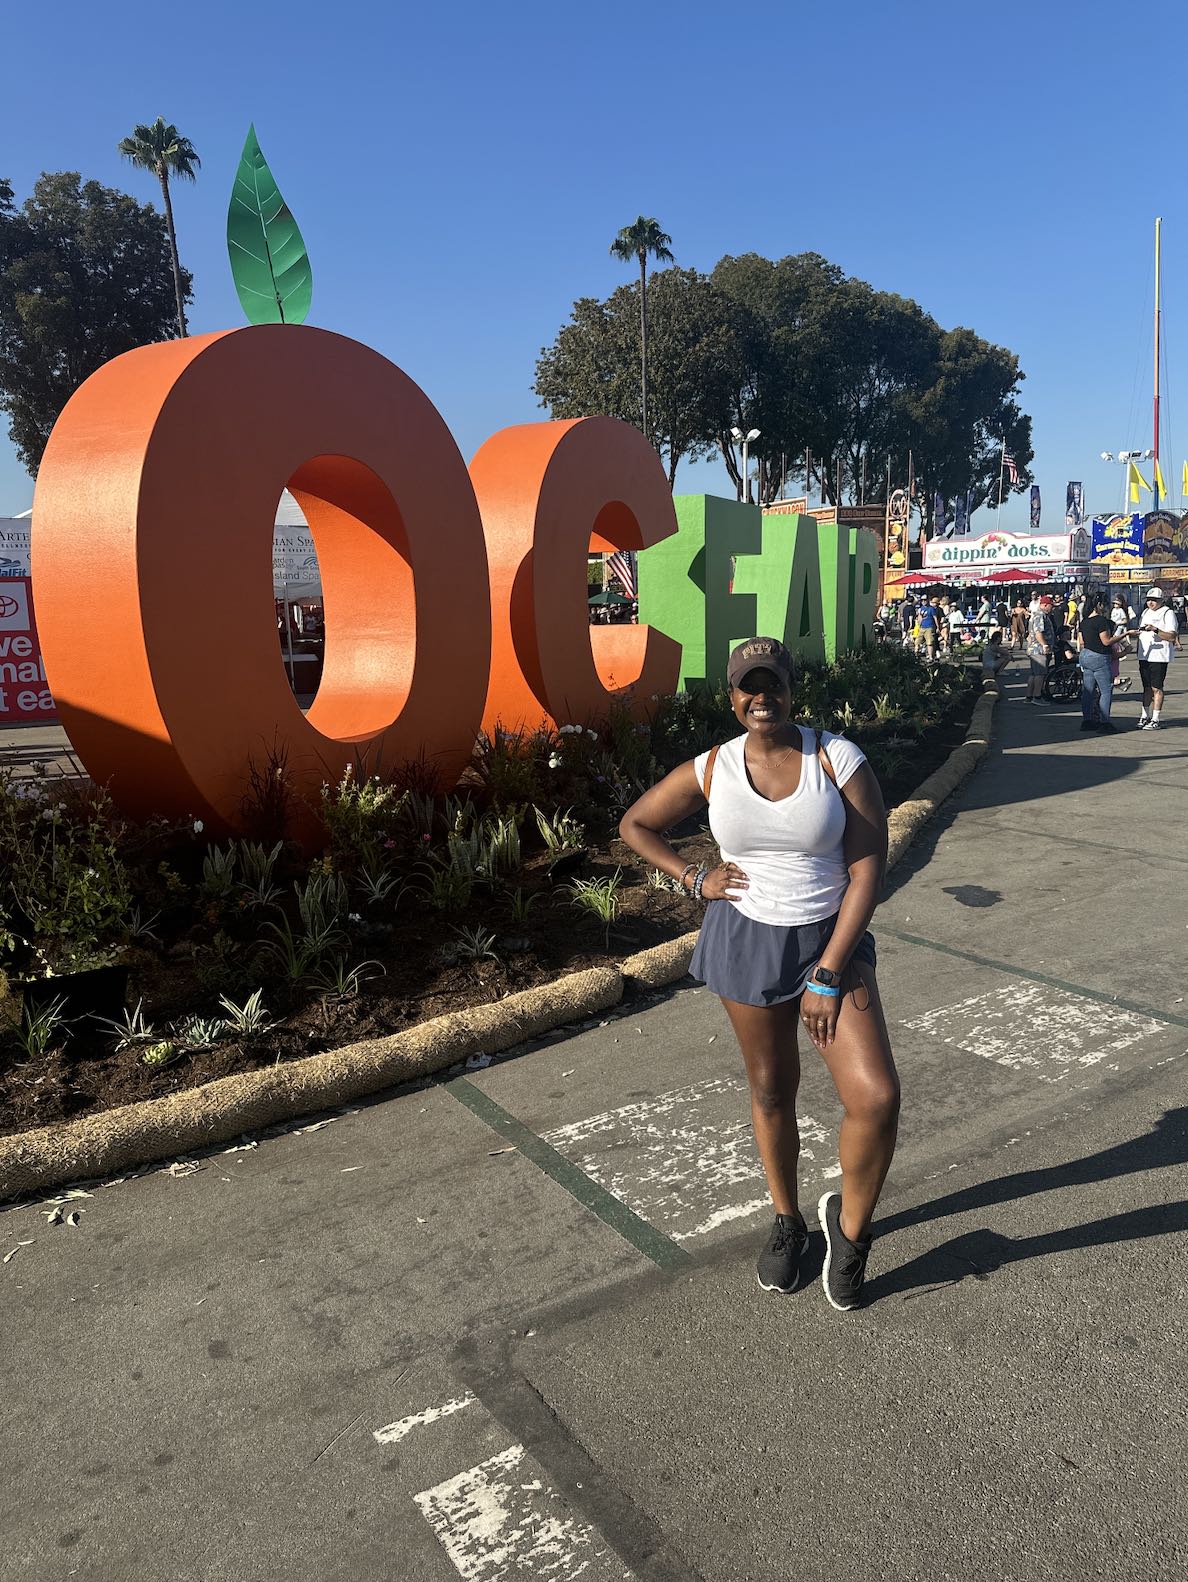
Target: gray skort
(762,963)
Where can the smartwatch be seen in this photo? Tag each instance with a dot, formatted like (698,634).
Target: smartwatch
(823,975)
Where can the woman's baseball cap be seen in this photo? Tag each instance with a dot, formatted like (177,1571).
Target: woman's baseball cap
(1045,601)
(1154,593)
(760,653)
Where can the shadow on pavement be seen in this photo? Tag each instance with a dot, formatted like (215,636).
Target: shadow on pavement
(979,1252)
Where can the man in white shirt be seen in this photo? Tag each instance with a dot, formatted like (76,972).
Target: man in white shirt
(1158,631)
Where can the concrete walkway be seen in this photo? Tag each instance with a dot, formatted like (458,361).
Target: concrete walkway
(507,1326)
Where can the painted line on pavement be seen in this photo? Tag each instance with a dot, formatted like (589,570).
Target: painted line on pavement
(1000,1025)
(1114,1000)
(645,1238)
(500,1519)
(393,1433)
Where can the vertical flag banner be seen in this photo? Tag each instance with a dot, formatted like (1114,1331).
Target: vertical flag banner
(1159,483)
(939,512)
(1074,508)
(1035,508)
(970,507)
(960,515)
(1184,482)
(1136,481)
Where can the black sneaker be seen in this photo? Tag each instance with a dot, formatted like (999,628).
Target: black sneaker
(845,1260)
(779,1262)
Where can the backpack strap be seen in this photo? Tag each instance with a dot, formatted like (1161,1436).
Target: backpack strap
(824,758)
(709,771)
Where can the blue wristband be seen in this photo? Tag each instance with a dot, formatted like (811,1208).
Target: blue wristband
(826,989)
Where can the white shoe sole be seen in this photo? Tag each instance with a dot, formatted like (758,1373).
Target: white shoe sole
(781,1290)
(822,1204)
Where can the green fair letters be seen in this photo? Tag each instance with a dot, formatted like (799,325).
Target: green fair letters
(732,571)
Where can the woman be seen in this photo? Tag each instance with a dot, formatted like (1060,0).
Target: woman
(1096,645)
(800,822)
(1040,638)
(1019,624)
(1122,618)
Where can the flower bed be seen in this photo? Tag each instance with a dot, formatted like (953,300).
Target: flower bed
(247,952)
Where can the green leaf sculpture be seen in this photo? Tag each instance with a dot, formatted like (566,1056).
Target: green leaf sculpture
(269,263)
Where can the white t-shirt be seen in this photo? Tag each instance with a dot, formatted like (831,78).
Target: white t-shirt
(1152,647)
(790,850)
(1121,618)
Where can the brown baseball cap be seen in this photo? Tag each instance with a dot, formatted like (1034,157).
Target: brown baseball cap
(760,653)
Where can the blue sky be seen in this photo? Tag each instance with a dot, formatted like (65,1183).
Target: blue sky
(458,172)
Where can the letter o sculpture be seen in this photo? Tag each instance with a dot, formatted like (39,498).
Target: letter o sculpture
(548,493)
(152,560)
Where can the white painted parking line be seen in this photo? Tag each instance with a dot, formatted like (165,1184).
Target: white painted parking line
(1036,1028)
(393,1433)
(500,1519)
(686,1160)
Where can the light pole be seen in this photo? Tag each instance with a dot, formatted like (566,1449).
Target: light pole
(1124,458)
(737,435)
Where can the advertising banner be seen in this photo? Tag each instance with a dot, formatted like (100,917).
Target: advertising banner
(14,545)
(1074,505)
(961,516)
(999,549)
(1117,540)
(24,696)
(295,573)
(1164,539)
(1035,508)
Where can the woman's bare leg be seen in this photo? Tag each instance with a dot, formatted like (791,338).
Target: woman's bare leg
(863,1071)
(767,1037)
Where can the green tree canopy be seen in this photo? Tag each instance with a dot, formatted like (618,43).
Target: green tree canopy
(840,379)
(85,274)
(693,353)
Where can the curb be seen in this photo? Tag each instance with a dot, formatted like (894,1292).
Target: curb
(195,1118)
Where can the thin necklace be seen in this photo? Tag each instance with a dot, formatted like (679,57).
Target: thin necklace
(778,761)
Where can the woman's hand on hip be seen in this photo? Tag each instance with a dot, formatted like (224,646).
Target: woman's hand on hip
(721,883)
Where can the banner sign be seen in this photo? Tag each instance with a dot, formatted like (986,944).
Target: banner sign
(1074,505)
(24,696)
(1035,508)
(14,545)
(1117,540)
(999,549)
(1165,538)
(1148,574)
(961,516)
(795,507)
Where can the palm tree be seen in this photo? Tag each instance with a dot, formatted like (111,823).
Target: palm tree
(161,149)
(639,241)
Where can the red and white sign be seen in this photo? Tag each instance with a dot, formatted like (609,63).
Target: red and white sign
(997,549)
(24,697)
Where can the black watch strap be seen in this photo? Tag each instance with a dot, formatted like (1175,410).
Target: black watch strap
(823,975)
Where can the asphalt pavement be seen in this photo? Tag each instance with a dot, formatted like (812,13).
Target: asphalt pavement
(506,1324)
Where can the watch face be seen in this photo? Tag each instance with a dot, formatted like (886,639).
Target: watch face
(823,975)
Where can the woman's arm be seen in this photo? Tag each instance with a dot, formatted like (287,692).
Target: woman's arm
(865,847)
(668,802)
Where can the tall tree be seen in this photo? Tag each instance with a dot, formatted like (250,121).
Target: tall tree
(162,149)
(696,354)
(640,241)
(84,275)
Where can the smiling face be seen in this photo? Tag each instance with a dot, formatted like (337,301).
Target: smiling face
(762,702)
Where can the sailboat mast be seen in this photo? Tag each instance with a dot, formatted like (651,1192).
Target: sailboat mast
(1155,480)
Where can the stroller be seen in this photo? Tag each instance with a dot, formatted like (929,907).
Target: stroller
(1062,684)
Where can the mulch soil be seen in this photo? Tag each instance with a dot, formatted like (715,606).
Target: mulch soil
(85,1076)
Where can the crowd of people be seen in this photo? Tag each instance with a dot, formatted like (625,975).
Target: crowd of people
(1066,634)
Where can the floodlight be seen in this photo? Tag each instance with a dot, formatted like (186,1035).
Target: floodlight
(1107,455)
(754,434)
(736,433)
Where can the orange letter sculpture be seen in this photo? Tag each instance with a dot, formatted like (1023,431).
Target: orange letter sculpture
(152,561)
(549,493)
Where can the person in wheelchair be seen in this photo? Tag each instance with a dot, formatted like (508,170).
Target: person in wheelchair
(1063,681)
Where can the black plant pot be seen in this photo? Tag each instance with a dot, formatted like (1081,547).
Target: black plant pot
(99,991)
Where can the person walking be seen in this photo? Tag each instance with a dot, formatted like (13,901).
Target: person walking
(929,624)
(1095,650)
(1158,633)
(799,818)
(1019,619)
(1122,617)
(1040,640)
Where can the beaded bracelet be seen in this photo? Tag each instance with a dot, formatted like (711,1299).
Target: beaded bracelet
(702,876)
(827,989)
(690,867)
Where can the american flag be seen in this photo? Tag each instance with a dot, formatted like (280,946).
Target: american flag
(619,565)
(1011,465)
